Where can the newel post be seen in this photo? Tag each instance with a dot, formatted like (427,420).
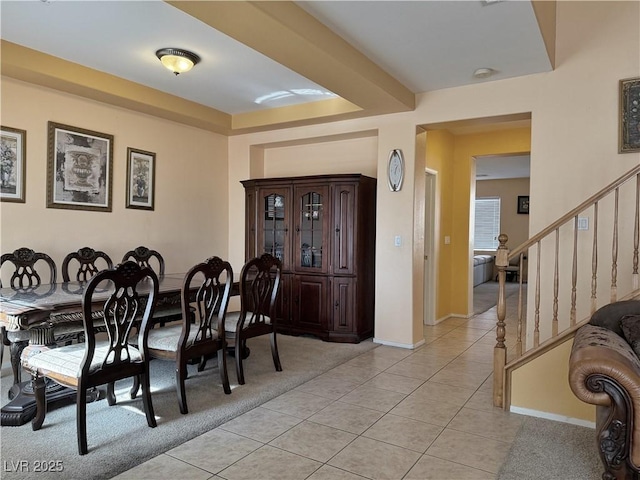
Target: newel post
(500,350)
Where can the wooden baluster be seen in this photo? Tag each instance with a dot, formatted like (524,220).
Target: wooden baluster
(636,236)
(574,273)
(614,253)
(500,350)
(594,261)
(537,299)
(556,286)
(520,310)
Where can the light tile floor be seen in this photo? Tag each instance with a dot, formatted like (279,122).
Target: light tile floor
(390,413)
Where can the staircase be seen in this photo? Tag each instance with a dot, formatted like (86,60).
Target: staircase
(582,261)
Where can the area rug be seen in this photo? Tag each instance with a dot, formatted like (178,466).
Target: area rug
(549,450)
(485,295)
(119,437)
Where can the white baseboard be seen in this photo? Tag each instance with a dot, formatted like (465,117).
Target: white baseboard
(552,416)
(399,345)
(452,315)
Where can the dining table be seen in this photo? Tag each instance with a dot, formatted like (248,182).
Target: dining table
(52,313)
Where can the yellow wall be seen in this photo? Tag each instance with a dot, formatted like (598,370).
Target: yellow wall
(542,385)
(189,222)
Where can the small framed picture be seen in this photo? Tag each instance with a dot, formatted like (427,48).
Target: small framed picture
(629,136)
(79,168)
(523,204)
(141,174)
(13,159)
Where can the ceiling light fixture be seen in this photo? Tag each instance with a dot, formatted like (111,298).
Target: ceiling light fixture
(176,60)
(483,73)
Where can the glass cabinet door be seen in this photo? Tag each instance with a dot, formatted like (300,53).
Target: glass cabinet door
(311,229)
(275,227)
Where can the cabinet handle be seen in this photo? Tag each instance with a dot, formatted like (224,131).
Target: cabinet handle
(337,230)
(297,229)
(337,304)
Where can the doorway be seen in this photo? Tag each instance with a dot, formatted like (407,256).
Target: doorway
(430,219)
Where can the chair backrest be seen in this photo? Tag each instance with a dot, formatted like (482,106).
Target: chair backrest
(89,261)
(25,275)
(126,295)
(145,257)
(212,281)
(259,286)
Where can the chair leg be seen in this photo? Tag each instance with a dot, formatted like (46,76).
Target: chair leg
(203,363)
(181,374)
(39,390)
(274,352)
(81,418)
(238,354)
(111,396)
(146,399)
(133,393)
(222,366)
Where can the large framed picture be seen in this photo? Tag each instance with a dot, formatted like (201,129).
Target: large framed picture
(13,160)
(629,137)
(79,168)
(141,175)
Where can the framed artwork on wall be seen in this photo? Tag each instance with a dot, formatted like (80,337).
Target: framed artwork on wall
(79,168)
(141,175)
(13,160)
(523,204)
(629,136)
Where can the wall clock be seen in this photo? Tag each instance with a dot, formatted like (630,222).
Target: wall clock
(395,173)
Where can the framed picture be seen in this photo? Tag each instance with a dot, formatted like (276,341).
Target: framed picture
(523,204)
(79,168)
(13,159)
(629,137)
(141,175)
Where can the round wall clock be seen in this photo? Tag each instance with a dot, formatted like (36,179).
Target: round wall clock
(395,174)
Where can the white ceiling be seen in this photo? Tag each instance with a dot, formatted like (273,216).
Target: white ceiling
(425,45)
(499,167)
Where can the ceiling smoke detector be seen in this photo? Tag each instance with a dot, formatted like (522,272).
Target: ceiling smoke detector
(483,73)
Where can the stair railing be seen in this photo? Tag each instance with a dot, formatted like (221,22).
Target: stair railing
(566,246)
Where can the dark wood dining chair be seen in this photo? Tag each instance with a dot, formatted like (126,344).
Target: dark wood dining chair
(259,286)
(30,269)
(201,332)
(26,263)
(122,293)
(86,262)
(151,258)
(146,258)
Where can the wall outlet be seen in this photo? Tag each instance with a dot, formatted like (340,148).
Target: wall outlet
(397,241)
(447,240)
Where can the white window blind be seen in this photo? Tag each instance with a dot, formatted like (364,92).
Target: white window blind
(487,226)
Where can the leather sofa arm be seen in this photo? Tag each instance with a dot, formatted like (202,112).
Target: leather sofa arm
(598,351)
(605,371)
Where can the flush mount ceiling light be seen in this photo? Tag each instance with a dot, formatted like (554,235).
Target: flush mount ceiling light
(176,60)
(483,73)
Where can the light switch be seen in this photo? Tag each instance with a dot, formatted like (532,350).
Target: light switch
(397,241)
(583,223)
(447,240)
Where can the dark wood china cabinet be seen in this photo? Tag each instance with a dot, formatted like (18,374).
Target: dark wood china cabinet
(323,230)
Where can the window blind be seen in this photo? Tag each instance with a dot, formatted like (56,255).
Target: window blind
(487,226)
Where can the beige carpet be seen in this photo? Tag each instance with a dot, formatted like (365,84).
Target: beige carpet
(119,437)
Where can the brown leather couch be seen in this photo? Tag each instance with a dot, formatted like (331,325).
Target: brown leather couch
(604,371)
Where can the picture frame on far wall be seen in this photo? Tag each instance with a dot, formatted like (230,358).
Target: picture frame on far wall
(629,128)
(523,204)
(79,168)
(141,176)
(13,160)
